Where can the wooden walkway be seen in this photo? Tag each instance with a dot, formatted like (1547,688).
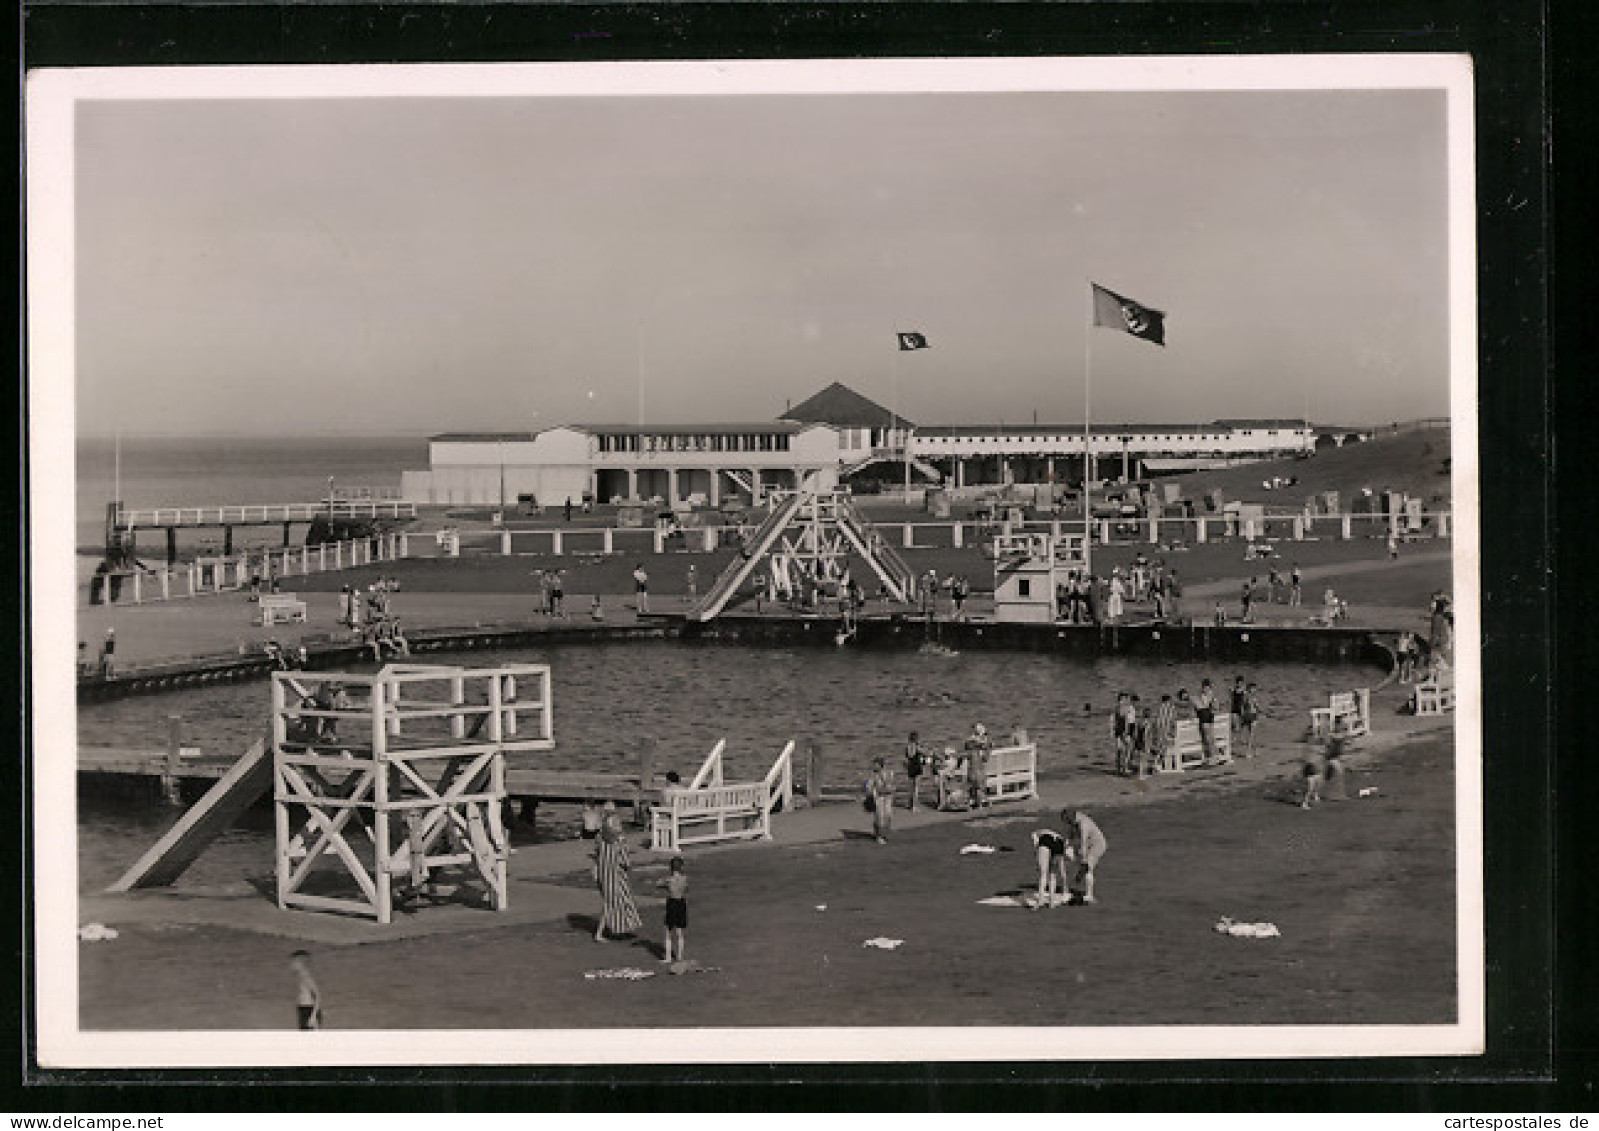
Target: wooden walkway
(522,781)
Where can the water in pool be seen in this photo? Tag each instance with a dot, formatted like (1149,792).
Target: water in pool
(609,697)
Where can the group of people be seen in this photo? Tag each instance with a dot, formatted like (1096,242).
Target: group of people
(1277,590)
(955,585)
(960,778)
(1081,845)
(552,591)
(356,608)
(1087,598)
(612,871)
(1143,737)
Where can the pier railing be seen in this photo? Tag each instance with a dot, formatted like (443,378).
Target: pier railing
(262,514)
(231,574)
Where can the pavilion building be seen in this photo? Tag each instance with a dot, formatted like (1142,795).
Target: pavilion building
(833,436)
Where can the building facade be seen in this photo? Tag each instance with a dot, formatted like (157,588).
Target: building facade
(703,464)
(834,435)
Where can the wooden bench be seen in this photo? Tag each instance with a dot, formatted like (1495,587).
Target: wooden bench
(708,814)
(1187,748)
(280,610)
(1436,694)
(1347,715)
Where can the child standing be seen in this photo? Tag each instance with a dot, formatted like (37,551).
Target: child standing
(310,996)
(1313,777)
(676,885)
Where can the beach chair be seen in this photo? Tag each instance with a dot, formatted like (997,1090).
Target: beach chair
(272,610)
(1436,694)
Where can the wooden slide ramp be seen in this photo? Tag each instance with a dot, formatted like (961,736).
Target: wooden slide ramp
(238,789)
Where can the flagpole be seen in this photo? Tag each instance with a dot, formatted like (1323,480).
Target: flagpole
(1088,369)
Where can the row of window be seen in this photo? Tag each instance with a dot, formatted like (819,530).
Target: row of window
(692,442)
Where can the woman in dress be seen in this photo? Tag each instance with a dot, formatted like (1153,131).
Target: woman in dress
(880,794)
(618,913)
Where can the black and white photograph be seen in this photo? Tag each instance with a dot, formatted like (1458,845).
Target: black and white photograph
(749,561)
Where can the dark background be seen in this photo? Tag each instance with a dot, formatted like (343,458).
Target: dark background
(1541,998)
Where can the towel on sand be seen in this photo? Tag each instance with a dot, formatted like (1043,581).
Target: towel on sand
(96,932)
(624,973)
(884,944)
(1226,926)
(1004,901)
(976,848)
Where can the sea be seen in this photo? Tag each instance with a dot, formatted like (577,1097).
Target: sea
(167,471)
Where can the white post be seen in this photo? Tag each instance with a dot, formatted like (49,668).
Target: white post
(1199,529)
(505,543)
(138,592)
(1249,530)
(607,538)
(166,585)
(556,549)
(1299,528)
(1348,533)
(405,545)
(1443,525)
(710,539)
(909,536)
(1104,531)
(380,803)
(660,540)
(956,534)
(338,555)
(1154,528)
(192,571)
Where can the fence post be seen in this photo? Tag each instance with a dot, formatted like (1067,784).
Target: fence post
(1443,524)
(956,535)
(1200,530)
(607,537)
(170,790)
(556,548)
(1299,528)
(909,537)
(505,543)
(1348,533)
(166,584)
(138,587)
(1104,532)
(660,540)
(709,542)
(1154,528)
(405,545)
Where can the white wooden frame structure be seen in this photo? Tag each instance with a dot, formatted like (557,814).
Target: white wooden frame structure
(1435,695)
(414,783)
(711,810)
(1347,715)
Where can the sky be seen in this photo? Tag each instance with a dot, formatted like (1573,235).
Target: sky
(420,265)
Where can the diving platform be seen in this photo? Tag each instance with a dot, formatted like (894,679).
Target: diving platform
(806,542)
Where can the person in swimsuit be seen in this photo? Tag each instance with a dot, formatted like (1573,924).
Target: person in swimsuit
(676,885)
(1050,848)
(915,766)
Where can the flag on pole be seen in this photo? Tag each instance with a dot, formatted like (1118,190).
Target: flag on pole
(1118,313)
(912,341)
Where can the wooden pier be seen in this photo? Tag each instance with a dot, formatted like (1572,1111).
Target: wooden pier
(527,784)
